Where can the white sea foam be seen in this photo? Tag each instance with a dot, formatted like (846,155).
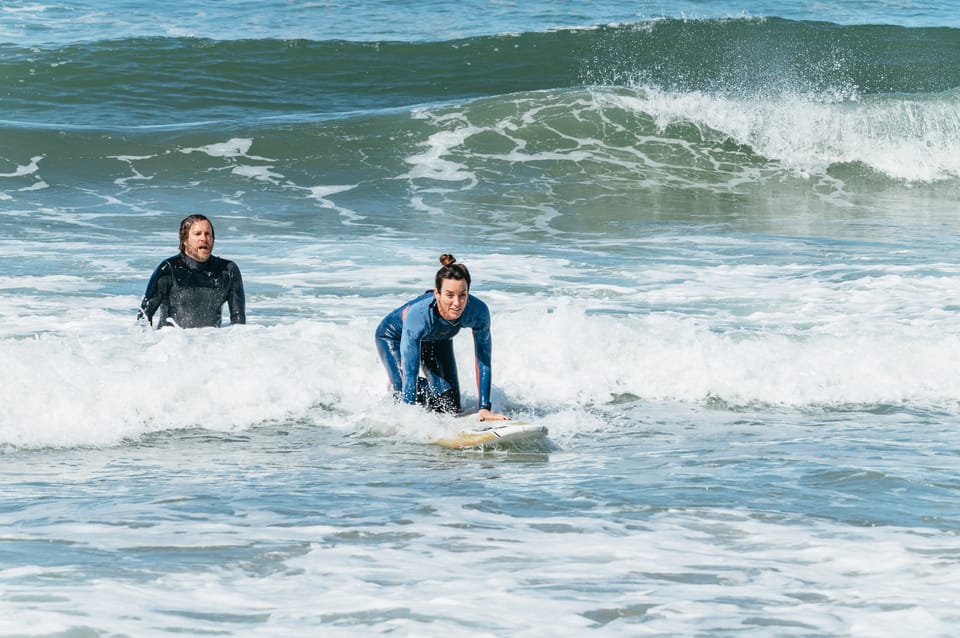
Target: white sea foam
(755,402)
(902,137)
(450,561)
(97,378)
(434,162)
(25,169)
(260,173)
(323,196)
(566,336)
(234,147)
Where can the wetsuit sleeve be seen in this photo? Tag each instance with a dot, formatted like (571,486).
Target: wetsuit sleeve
(483,347)
(235,297)
(158,290)
(415,325)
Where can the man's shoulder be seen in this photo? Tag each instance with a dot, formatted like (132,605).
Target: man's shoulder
(170,263)
(222,264)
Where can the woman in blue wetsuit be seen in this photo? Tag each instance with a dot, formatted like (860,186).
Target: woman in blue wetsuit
(419,334)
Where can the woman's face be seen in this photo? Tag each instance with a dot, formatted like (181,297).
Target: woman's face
(451,298)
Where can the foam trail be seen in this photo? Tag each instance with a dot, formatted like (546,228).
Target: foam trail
(903,137)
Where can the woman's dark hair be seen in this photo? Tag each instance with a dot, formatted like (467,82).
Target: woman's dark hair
(189,221)
(451,270)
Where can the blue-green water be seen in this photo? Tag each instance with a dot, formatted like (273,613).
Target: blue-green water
(718,241)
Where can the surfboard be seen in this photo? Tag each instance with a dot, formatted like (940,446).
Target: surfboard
(500,434)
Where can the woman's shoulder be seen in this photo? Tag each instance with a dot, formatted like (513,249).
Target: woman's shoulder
(477,312)
(418,307)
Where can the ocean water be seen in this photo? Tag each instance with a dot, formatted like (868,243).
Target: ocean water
(718,239)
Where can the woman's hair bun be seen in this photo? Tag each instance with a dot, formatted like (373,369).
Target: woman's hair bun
(451,270)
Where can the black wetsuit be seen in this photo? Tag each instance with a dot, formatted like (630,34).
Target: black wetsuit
(191,294)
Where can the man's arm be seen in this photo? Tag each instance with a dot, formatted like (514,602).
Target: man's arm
(236,300)
(158,289)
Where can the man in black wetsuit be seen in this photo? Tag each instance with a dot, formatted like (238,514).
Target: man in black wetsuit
(189,289)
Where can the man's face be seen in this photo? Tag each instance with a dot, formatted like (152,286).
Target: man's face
(199,242)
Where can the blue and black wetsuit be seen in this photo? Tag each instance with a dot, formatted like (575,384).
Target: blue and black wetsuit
(415,335)
(191,294)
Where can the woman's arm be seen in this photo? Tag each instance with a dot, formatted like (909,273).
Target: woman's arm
(483,348)
(416,323)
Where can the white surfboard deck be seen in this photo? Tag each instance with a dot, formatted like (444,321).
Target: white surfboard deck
(496,434)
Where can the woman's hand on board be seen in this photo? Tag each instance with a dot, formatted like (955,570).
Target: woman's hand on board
(487,415)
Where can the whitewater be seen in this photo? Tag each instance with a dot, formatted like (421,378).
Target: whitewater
(717,241)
